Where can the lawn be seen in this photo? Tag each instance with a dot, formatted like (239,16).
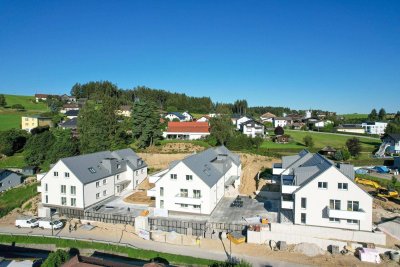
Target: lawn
(15,161)
(131,252)
(15,197)
(355,116)
(27,101)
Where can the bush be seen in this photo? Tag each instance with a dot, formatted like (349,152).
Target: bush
(56,259)
(279,131)
(354,146)
(18,106)
(308,141)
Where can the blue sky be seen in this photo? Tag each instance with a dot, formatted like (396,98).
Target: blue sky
(335,55)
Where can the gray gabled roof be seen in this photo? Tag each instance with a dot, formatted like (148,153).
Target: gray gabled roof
(211,164)
(72,123)
(7,173)
(95,166)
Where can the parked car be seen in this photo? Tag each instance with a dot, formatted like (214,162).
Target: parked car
(32,223)
(47,224)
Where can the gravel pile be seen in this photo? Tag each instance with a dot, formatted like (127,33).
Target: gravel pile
(308,249)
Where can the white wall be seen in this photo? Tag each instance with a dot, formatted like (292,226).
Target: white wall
(192,136)
(318,201)
(281,123)
(139,176)
(90,191)
(252,131)
(240,121)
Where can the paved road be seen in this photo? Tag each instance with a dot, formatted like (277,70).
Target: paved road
(351,135)
(199,252)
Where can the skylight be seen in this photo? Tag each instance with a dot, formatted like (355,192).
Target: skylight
(92,170)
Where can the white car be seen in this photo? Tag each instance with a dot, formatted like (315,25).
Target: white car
(32,223)
(47,224)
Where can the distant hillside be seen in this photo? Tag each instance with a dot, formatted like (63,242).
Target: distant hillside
(355,116)
(27,101)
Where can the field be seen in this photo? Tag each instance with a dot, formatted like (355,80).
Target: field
(15,197)
(355,116)
(15,161)
(27,101)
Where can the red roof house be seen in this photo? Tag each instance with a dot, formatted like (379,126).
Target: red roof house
(187,130)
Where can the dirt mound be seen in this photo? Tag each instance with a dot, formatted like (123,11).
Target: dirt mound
(157,161)
(176,148)
(139,198)
(308,249)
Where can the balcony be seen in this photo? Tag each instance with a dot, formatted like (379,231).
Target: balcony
(289,189)
(346,214)
(152,192)
(181,199)
(277,169)
(287,204)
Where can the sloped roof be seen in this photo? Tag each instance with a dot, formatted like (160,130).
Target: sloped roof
(209,166)
(72,123)
(394,136)
(188,127)
(252,122)
(267,115)
(71,105)
(179,115)
(125,108)
(6,173)
(72,113)
(328,149)
(41,95)
(80,165)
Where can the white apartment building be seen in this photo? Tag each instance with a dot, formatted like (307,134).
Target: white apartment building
(76,183)
(197,183)
(252,128)
(315,191)
(280,121)
(240,121)
(374,127)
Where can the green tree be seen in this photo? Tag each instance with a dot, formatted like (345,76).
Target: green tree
(145,123)
(392,127)
(393,181)
(221,128)
(56,259)
(373,115)
(308,141)
(18,106)
(37,147)
(3,102)
(354,146)
(279,131)
(64,146)
(12,141)
(382,114)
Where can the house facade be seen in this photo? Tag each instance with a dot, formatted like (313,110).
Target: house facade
(374,127)
(9,179)
(124,110)
(186,130)
(76,183)
(175,116)
(69,106)
(41,97)
(197,183)
(281,121)
(30,122)
(316,191)
(188,116)
(241,120)
(392,142)
(252,128)
(267,117)
(350,128)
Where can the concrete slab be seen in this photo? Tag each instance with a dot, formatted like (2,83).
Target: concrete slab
(391,227)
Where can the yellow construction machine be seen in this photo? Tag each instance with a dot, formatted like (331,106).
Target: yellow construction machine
(381,193)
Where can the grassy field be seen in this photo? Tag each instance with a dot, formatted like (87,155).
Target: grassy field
(27,101)
(15,197)
(15,161)
(131,252)
(355,116)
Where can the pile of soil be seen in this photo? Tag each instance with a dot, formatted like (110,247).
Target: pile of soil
(140,198)
(308,249)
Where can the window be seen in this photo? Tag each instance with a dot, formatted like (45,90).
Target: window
(352,221)
(303,203)
(336,220)
(161,204)
(66,174)
(184,193)
(322,185)
(118,166)
(117,176)
(63,201)
(334,204)
(303,218)
(63,189)
(55,174)
(196,206)
(46,187)
(173,176)
(343,186)
(92,170)
(353,205)
(97,184)
(47,199)
(161,191)
(137,173)
(104,181)
(196,193)
(105,193)
(142,170)
(73,190)
(97,195)
(189,177)
(184,205)
(73,202)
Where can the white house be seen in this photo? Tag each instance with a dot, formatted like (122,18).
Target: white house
(267,117)
(280,121)
(241,120)
(203,119)
(124,110)
(175,116)
(39,97)
(76,183)
(252,128)
(350,128)
(374,127)
(186,130)
(315,191)
(188,116)
(197,183)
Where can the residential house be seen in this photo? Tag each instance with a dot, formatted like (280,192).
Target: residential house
(175,116)
(67,98)
(267,117)
(252,128)
(29,170)
(71,114)
(68,107)
(318,123)
(205,118)
(392,141)
(30,122)
(188,116)
(186,130)
(41,97)
(350,128)
(9,179)
(316,191)
(241,120)
(69,124)
(374,127)
(327,151)
(75,184)
(234,118)
(281,139)
(298,125)
(197,183)
(282,121)
(124,110)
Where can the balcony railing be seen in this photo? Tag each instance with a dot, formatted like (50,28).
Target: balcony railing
(183,199)
(346,214)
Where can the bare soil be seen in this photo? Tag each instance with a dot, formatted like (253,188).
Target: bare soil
(140,197)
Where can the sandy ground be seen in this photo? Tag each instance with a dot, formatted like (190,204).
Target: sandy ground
(140,197)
